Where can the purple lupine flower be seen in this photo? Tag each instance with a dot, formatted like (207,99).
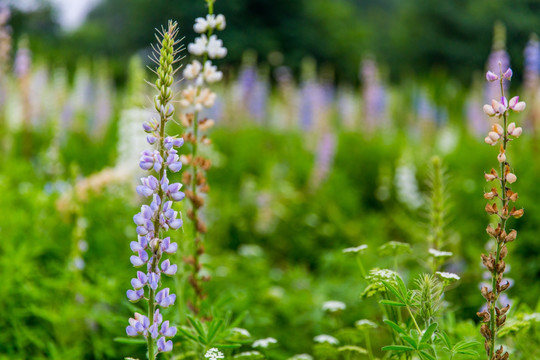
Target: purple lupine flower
(164,346)
(531,64)
(157,217)
(498,55)
(324,158)
(374,94)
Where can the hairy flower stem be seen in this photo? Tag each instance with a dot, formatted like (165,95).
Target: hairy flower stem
(502,224)
(197,287)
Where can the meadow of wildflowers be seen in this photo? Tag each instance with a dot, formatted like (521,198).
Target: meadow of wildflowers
(200,210)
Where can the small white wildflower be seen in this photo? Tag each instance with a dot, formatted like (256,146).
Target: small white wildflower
(301,357)
(333,306)
(220,22)
(326,339)
(249,354)
(385,274)
(241,331)
(438,253)
(448,276)
(211,74)
(215,48)
(192,70)
(198,47)
(358,249)
(201,25)
(365,324)
(214,354)
(264,343)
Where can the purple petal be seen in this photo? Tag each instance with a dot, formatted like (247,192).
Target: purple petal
(130,331)
(178,196)
(136,261)
(175,166)
(175,224)
(135,246)
(135,296)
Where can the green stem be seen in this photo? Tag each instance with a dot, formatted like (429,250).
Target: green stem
(368,344)
(414,320)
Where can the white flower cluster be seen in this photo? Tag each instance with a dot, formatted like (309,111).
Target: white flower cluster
(448,276)
(357,249)
(264,343)
(437,253)
(214,354)
(326,339)
(208,43)
(333,306)
(210,22)
(196,97)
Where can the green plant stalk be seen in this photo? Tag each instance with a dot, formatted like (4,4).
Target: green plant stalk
(197,300)
(368,344)
(413,319)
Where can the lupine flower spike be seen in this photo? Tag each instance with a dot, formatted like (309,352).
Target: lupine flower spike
(195,98)
(159,216)
(494,317)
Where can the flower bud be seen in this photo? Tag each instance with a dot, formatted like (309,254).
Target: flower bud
(513,130)
(494,136)
(508,74)
(488,110)
(490,76)
(489,141)
(511,178)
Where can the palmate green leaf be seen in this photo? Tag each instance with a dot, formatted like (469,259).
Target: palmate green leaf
(392,303)
(445,339)
(228,346)
(425,355)
(187,334)
(124,340)
(402,288)
(397,348)
(197,326)
(215,326)
(393,290)
(465,344)
(411,341)
(394,326)
(428,333)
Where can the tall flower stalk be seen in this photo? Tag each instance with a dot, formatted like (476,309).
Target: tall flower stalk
(155,219)
(195,98)
(494,317)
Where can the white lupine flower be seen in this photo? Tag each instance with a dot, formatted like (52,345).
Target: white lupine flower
(333,306)
(215,48)
(198,47)
(326,339)
(192,70)
(357,249)
(201,25)
(448,276)
(220,22)
(211,21)
(438,253)
(264,343)
(211,74)
(214,354)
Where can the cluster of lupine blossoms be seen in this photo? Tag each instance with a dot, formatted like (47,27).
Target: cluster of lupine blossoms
(155,219)
(494,315)
(195,99)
